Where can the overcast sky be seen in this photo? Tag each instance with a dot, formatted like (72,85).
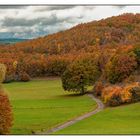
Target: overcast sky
(35,21)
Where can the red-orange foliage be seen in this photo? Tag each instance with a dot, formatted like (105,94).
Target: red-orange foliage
(24,77)
(98,88)
(5,113)
(116,95)
(111,95)
(50,55)
(120,67)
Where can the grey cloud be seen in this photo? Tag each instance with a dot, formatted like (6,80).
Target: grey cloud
(51,8)
(52,20)
(60,7)
(31,28)
(12,7)
(12,22)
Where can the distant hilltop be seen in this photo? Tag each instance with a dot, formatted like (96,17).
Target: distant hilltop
(11,40)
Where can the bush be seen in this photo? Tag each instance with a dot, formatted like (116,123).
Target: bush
(24,77)
(9,78)
(116,95)
(135,91)
(98,87)
(111,95)
(115,100)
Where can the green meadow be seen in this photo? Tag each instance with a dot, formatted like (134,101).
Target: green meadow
(116,120)
(40,105)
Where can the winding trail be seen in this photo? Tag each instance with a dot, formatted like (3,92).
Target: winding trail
(100,107)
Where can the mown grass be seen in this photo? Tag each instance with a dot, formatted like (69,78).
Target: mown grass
(116,120)
(39,105)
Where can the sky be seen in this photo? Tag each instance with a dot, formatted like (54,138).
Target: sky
(35,21)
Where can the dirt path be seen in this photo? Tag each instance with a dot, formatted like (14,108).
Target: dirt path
(100,107)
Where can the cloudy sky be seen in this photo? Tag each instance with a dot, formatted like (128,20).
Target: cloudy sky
(35,21)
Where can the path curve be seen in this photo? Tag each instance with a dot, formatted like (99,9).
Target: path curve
(100,107)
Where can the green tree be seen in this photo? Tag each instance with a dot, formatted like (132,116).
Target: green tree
(80,74)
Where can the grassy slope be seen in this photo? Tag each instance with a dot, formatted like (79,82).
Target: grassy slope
(118,120)
(42,104)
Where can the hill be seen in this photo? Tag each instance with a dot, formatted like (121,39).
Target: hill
(113,31)
(51,54)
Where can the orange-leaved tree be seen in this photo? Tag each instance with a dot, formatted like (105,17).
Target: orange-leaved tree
(5,107)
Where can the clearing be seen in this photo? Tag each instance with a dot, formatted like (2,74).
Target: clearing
(40,105)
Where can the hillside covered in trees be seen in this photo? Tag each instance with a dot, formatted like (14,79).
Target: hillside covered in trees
(101,52)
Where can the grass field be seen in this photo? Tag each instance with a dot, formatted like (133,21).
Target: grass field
(39,105)
(118,120)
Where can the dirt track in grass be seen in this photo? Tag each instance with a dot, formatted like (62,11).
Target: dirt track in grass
(100,107)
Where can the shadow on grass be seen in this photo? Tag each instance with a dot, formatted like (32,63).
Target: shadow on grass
(71,95)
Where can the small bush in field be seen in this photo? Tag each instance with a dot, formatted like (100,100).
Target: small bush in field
(98,88)
(115,100)
(111,95)
(116,95)
(24,77)
(126,96)
(134,89)
(5,114)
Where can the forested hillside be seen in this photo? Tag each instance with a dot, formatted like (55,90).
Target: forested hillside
(116,37)
(114,31)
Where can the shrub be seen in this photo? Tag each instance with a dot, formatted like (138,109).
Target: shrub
(5,114)
(24,77)
(116,95)
(9,78)
(135,91)
(98,87)
(111,95)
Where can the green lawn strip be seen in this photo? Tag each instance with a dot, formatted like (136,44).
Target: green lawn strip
(117,120)
(40,105)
